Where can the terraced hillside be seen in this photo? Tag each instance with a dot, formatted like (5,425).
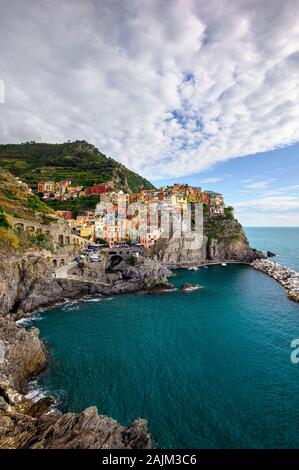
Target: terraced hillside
(79,161)
(17,201)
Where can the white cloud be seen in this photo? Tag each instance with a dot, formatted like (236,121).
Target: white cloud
(271,210)
(277,203)
(167,87)
(210,180)
(258,185)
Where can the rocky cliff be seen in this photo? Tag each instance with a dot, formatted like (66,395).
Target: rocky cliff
(222,240)
(27,283)
(24,424)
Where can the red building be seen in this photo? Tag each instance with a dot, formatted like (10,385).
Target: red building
(65,214)
(96,189)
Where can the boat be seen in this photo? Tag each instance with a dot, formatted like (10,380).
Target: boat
(205,266)
(223,264)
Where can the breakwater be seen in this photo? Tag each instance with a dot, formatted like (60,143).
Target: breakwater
(287,277)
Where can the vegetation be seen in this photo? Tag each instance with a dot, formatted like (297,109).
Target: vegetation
(42,240)
(77,206)
(80,162)
(229,213)
(225,228)
(16,201)
(3,220)
(101,241)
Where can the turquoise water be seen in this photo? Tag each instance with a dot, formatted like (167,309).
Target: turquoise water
(208,369)
(284,241)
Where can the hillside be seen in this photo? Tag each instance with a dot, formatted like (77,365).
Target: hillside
(80,162)
(17,201)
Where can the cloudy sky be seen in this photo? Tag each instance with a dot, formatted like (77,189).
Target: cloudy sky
(205,92)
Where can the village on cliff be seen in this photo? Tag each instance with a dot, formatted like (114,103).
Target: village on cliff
(108,226)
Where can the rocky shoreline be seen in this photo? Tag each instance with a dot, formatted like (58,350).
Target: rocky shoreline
(26,424)
(287,277)
(26,285)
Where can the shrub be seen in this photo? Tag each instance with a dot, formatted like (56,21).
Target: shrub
(43,240)
(229,212)
(3,220)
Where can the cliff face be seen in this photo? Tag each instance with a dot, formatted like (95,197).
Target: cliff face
(226,240)
(27,283)
(22,354)
(223,240)
(24,424)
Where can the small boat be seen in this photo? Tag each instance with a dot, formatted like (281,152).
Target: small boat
(192,268)
(205,266)
(223,264)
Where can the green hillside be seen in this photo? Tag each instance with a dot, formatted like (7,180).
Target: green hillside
(17,201)
(80,162)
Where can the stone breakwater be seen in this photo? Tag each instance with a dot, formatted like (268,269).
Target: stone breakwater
(287,277)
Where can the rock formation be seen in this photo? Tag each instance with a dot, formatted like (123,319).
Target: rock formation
(223,240)
(24,424)
(284,275)
(27,283)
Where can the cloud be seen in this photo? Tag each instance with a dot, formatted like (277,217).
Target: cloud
(210,180)
(277,203)
(271,210)
(258,185)
(169,88)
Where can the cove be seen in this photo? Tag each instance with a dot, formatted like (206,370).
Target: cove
(209,368)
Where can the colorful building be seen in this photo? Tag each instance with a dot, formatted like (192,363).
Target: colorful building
(68,215)
(97,189)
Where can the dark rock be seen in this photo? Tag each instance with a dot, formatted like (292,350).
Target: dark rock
(24,424)
(270,254)
(86,430)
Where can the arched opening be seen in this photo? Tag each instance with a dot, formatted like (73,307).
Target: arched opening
(60,240)
(115,260)
(54,263)
(62,262)
(19,226)
(30,228)
(67,240)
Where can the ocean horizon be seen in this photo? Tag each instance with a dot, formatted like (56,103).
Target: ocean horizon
(283,241)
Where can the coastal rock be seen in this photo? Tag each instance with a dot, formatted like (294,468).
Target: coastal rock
(27,284)
(270,254)
(24,424)
(24,356)
(179,251)
(227,241)
(287,277)
(223,240)
(86,430)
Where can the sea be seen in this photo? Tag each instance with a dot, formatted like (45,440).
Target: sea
(208,368)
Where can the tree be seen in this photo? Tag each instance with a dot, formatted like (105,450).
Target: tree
(229,212)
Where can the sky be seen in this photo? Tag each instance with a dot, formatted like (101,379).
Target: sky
(178,90)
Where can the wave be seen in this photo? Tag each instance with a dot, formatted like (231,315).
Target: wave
(27,321)
(35,392)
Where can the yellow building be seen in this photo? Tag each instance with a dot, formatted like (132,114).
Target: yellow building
(87,232)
